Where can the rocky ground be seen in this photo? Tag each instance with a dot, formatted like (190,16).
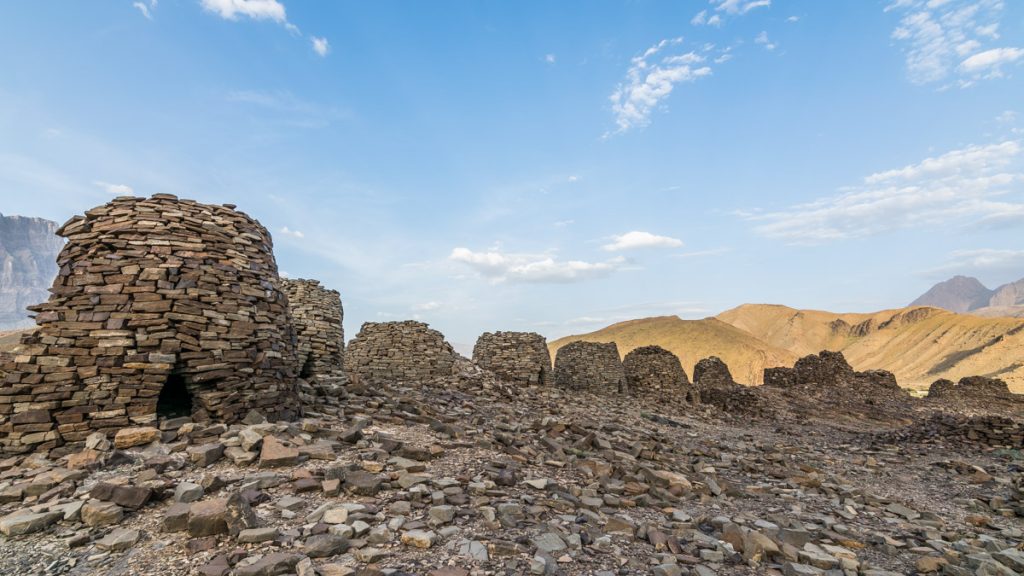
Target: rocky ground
(472,477)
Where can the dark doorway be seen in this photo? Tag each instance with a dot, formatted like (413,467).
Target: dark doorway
(174,400)
(307,368)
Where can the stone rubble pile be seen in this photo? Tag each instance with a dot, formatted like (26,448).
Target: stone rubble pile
(149,290)
(975,395)
(992,431)
(516,357)
(713,385)
(460,478)
(390,352)
(592,366)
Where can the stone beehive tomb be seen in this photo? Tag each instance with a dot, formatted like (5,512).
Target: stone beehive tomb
(404,352)
(589,365)
(654,370)
(516,357)
(161,307)
(317,316)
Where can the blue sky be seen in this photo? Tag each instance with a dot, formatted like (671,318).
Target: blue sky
(545,166)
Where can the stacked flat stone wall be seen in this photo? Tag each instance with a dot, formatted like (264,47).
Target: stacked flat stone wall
(989,430)
(654,370)
(590,365)
(515,357)
(152,290)
(317,316)
(398,352)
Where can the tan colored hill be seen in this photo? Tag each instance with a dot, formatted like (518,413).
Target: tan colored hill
(1008,311)
(692,340)
(918,344)
(10,338)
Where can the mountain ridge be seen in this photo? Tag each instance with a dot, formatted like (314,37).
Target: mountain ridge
(918,344)
(966,294)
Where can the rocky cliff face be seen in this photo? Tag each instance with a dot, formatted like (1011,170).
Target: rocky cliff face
(1011,294)
(28,256)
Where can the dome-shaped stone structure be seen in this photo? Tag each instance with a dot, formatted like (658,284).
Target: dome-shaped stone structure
(589,365)
(398,352)
(515,357)
(654,370)
(161,306)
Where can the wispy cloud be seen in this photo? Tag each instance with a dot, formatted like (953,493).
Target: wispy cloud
(255,9)
(947,37)
(146,8)
(297,111)
(982,260)
(427,306)
(293,233)
(972,186)
(650,80)
(320,45)
(637,239)
(763,40)
(989,64)
(701,18)
(550,58)
(1007,117)
(739,6)
(116,189)
(533,268)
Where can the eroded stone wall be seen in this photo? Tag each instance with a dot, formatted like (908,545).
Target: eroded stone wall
(398,352)
(590,365)
(515,357)
(654,370)
(152,291)
(317,316)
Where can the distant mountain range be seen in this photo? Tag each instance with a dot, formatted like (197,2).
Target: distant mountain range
(968,295)
(28,264)
(918,344)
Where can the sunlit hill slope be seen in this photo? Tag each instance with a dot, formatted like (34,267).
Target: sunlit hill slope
(918,344)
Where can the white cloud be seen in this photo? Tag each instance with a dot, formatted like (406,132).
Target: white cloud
(977,186)
(146,8)
(793,19)
(1007,117)
(988,64)
(427,306)
(255,9)
(982,260)
(650,80)
(116,189)
(740,6)
(549,58)
(763,40)
(637,239)
(715,20)
(320,45)
(564,223)
(700,18)
(293,233)
(533,268)
(947,37)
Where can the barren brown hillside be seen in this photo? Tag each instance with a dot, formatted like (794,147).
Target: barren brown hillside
(693,340)
(919,345)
